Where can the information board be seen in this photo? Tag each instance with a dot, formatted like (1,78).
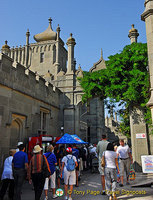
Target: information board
(147,163)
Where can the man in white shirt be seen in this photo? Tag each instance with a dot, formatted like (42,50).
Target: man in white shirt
(101,147)
(123,151)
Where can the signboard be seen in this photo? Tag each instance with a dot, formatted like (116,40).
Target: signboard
(147,164)
(46,139)
(140,135)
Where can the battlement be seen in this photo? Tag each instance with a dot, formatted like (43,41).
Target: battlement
(15,76)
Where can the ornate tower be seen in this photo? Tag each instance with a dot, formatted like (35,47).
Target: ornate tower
(133,34)
(27,47)
(5,48)
(71,43)
(147,16)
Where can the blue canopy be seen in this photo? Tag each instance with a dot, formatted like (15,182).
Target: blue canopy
(70,139)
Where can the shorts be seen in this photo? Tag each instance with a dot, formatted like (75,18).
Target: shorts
(53,185)
(69,177)
(124,166)
(101,169)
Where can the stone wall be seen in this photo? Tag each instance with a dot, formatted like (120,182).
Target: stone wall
(29,105)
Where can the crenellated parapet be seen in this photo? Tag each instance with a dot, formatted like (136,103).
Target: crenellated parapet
(16,77)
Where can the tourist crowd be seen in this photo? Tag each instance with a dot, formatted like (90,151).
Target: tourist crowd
(66,163)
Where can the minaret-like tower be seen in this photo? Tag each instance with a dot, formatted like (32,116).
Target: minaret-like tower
(27,48)
(133,34)
(147,16)
(70,43)
(57,64)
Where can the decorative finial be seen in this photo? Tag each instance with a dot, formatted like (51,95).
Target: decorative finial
(71,35)
(132,25)
(58,28)
(28,33)
(6,41)
(50,20)
(101,53)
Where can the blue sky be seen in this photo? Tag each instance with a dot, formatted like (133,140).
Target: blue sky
(95,24)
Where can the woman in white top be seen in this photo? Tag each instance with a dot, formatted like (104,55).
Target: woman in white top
(7,177)
(110,171)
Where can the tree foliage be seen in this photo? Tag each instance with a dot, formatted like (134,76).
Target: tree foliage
(125,79)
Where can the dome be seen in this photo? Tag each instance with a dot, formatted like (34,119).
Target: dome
(5,46)
(133,29)
(48,34)
(71,40)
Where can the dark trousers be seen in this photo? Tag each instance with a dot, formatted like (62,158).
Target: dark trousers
(19,177)
(38,183)
(5,184)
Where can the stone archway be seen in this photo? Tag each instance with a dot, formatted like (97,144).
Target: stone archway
(16,130)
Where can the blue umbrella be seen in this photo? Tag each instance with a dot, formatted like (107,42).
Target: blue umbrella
(70,139)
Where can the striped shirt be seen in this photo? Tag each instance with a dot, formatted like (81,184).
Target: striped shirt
(36,163)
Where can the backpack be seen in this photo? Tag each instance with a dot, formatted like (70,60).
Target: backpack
(70,164)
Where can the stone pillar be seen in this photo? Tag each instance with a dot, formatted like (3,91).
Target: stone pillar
(23,56)
(133,34)
(71,43)
(57,64)
(138,127)
(12,53)
(27,48)
(139,136)
(20,54)
(147,16)
(16,54)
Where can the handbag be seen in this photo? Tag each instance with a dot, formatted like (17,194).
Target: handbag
(46,173)
(132,174)
(103,160)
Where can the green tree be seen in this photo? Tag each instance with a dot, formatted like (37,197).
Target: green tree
(125,79)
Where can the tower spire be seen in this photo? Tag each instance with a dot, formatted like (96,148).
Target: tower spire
(50,22)
(133,34)
(101,53)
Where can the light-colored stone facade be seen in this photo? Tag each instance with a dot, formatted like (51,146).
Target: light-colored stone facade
(38,84)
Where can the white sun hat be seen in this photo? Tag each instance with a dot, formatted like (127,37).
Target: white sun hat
(19,143)
(37,149)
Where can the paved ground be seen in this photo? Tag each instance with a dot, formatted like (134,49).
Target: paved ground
(90,187)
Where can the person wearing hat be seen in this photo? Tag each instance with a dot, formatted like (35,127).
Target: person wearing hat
(35,171)
(7,177)
(19,143)
(20,166)
(52,161)
(69,171)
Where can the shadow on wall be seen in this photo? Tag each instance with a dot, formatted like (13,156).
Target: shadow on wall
(137,167)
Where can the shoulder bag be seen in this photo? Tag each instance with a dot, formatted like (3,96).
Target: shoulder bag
(45,171)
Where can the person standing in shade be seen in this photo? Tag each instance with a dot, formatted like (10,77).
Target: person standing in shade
(51,158)
(75,152)
(69,163)
(7,177)
(35,171)
(20,166)
(101,147)
(123,151)
(111,163)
